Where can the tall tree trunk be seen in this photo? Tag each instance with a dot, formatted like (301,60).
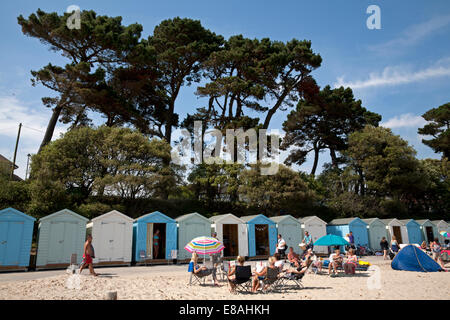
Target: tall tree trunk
(333,158)
(316,160)
(51,126)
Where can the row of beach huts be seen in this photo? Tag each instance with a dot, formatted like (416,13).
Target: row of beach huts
(119,239)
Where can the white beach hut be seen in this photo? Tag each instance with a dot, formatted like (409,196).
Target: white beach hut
(112,238)
(441,226)
(397,228)
(317,228)
(232,231)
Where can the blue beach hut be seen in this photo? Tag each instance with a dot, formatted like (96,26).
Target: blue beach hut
(341,227)
(414,231)
(16,232)
(144,229)
(262,235)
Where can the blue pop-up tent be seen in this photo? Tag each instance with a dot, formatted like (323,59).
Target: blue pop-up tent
(412,258)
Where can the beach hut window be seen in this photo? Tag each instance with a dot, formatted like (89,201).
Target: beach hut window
(262,239)
(230,240)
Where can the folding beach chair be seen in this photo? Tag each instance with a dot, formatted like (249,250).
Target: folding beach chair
(243,280)
(224,269)
(194,278)
(287,278)
(143,257)
(271,281)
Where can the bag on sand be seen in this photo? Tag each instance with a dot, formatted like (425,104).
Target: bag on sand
(391,255)
(349,268)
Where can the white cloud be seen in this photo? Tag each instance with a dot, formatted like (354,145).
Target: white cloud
(34,120)
(413,35)
(404,120)
(392,76)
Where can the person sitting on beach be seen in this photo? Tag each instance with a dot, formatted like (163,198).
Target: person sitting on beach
(232,273)
(203,271)
(423,246)
(293,257)
(88,254)
(316,262)
(279,263)
(304,265)
(336,260)
(352,261)
(259,276)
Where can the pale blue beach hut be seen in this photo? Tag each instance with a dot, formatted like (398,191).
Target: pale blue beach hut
(262,235)
(61,236)
(16,232)
(190,226)
(341,227)
(144,229)
(290,229)
(414,231)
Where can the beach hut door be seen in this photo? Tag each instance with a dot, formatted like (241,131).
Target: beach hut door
(10,240)
(117,241)
(56,249)
(397,233)
(430,235)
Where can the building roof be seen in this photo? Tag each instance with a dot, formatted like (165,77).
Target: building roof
(304,219)
(113,212)
(278,219)
(422,221)
(219,217)
(64,211)
(189,215)
(341,221)
(5,160)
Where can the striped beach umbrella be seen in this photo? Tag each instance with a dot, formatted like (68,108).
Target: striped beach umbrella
(204,245)
(444,234)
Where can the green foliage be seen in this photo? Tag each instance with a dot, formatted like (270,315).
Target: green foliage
(439,128)
(324,121)
(15,194)
(284,191)
(100,162)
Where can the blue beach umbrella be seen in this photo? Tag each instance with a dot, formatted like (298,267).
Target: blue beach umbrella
(331,240)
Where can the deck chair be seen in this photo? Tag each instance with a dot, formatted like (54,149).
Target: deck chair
(224,269)
(243,279)
(195,278)
(287,278)
(271,280)
(143,256)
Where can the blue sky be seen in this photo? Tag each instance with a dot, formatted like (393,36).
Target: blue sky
(400,71)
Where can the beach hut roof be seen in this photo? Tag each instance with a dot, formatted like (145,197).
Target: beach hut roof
(436,222)
(17,212)
(279,219)
(307,218)
(255,216)
(113,212)
(64,211)
(220,217)
(155,213)
(371,220)
(343,221)
(423,221)
(389,220)
(406,221)
(190,215)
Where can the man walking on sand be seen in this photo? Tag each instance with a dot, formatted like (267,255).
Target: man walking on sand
(88,254)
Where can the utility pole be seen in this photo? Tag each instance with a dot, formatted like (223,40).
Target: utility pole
(15,151)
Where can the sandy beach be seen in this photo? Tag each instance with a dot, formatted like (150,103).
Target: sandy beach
(171,282)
